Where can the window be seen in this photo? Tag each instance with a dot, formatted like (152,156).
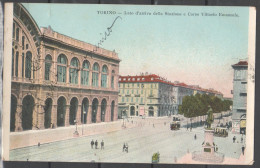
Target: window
(23,42)
(151,85)
(141,100)
(23,65)
(138,85)
(123,91)
(17,34)
(28,64)
(127,91)
(95,71)
(132,99)
(48,62)
(85,73)
(129,79)
(133,84)
(62,68)
(137,91)
(123,99)
(132,91)
(13,62)
(104,76)
(238,74)
(133,79)
(127,99)
(119,79)
(113,79)
(137,100)
(138,79)
(74,66)
(142,91)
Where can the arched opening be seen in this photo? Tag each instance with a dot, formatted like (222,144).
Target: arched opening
(104,76)
(112,110)
(47,113)
(84,110)
(151,111)
(74,68)
(48,62)
(103,110)
(73,110)
(95,72)
(61,112)
(61,68)
(28,65)
(94,110)
(132,111)
(85,73)
(113,79)
(13,112)
(27,112)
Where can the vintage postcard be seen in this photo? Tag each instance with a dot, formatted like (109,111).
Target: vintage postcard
(128,83)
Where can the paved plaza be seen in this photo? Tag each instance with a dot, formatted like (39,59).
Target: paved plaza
(143,140)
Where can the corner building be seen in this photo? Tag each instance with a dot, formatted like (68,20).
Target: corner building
(146,95)
(59,81)
(239,97)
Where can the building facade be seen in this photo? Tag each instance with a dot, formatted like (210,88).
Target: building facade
(145,95)
(57,80)
(239,97)
(153,96)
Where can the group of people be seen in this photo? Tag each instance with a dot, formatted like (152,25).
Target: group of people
(125,147)
(92,143)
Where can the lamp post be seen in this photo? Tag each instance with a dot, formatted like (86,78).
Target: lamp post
(83,122)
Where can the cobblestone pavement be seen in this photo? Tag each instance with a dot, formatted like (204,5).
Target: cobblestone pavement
(143,141)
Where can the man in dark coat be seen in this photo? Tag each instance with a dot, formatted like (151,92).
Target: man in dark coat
(92,143)
(102,145)
(96,144)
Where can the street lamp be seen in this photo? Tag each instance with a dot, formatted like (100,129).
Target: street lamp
(76,132)
(84,113)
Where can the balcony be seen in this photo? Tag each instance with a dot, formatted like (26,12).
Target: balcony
(150,95)
(137,95)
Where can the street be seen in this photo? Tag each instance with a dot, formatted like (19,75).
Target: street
(143,141)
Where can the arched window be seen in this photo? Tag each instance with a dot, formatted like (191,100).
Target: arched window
(16,63)
(85,73)
(104,77)
(17,34)
(12,62)
(61,68)
(74,65)
(28,64)
(13,30)
(23,42)
(95,70)
(48,62)
(113,79)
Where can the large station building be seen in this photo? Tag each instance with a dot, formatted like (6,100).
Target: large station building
(59,81)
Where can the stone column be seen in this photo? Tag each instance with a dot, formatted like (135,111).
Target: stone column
(68,74)
(35,117)
(90,78)
(108,113)
(98,117)
(89,115)
(41,114)
(99,79)
(67,116)
(115,113)
(78,115)
(18,118)
(54,115)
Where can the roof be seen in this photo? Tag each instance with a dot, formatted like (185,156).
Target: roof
(156,78)
(241,63)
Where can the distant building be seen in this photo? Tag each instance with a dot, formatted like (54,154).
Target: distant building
(146,95)
(239,96)
(152,95)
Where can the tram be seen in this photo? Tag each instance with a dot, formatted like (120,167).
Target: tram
(175,124)
(220,132)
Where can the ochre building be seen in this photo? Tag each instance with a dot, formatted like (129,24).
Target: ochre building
(59,81)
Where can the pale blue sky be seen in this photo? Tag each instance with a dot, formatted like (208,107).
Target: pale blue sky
(191,49)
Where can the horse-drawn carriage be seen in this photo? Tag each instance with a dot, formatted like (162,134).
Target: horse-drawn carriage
(175,124)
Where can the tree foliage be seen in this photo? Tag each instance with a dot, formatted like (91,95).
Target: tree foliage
(199,104)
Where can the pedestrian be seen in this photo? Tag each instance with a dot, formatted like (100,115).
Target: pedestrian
(102,144)
(234,139)
(187,128)
(243,149)
(96,144)
(242,139)
(124,147)
(51,126)
(195,136)
(216,148)
(153,125)
(164,123)
(39,144)
(92,143)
